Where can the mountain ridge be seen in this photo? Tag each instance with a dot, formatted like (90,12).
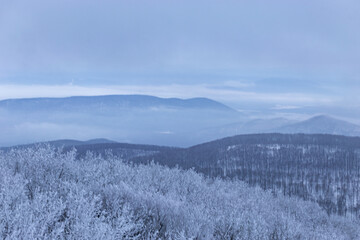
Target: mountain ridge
(122,101)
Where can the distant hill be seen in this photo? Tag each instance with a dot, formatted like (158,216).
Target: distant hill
(124,118)
(100,146)
(247,127)
(110,102)
(322,124)
(65,143)
(143,119)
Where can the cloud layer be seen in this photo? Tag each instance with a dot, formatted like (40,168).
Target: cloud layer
(315,39)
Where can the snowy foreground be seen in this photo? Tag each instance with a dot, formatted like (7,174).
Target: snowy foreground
(46,194)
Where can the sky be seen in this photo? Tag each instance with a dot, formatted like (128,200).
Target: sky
(280,54)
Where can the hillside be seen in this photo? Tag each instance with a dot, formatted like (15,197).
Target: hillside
(320,168)
(46,194)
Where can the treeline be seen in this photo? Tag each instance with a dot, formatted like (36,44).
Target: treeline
(47,193)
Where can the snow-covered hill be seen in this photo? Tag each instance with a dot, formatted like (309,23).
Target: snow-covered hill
(46,194)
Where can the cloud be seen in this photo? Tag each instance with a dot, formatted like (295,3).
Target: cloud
(252,37)
(285,107)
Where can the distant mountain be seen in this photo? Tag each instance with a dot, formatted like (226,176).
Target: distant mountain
(241,127)
(124,118)
(252,126)
(319,124)
(322,124)
(142,119)
(110,102)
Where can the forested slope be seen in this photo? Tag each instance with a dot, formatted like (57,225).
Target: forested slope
(48,194)
(317,167)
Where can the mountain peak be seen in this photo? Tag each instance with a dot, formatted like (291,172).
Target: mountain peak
(323,124)
(323,117)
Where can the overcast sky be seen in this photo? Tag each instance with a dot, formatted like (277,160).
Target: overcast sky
(287,53)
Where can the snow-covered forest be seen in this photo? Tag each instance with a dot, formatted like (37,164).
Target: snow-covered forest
(46,193)
(317,167)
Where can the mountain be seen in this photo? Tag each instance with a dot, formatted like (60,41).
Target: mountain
(252,126)
(322,124)
(142,119)
(110,102)
(319,124)
(124,118)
